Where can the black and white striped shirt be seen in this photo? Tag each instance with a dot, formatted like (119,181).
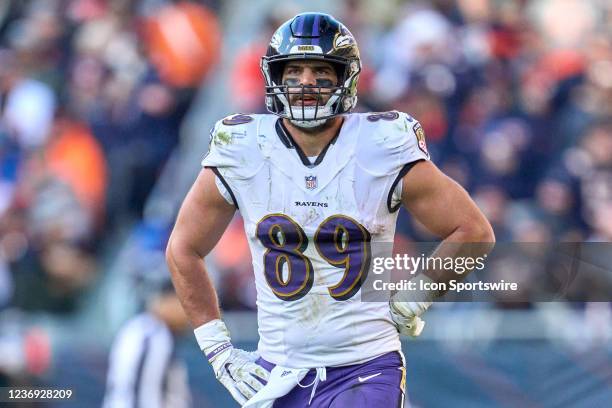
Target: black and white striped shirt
(143,370)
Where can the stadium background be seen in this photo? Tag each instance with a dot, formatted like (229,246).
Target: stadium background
(105,108)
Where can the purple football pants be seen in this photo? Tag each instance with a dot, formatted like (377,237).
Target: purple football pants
(377,383)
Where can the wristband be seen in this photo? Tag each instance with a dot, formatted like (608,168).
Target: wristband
(213,338)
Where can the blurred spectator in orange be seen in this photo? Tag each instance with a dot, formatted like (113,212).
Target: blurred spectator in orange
(51,225)
(75,157)
(184,42)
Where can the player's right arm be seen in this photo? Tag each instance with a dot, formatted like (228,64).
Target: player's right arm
(201,221)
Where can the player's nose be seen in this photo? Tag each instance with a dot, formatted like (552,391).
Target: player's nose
(308,77)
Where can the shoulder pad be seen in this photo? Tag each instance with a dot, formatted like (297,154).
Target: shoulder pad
(388,141)
(233,146)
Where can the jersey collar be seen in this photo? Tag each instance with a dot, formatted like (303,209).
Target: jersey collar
(289,142)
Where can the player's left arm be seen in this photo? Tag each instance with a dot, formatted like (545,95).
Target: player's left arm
(446,210)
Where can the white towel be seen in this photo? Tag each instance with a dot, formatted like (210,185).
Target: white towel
(281,381)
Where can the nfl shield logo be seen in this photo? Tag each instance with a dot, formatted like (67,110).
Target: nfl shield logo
(311,182)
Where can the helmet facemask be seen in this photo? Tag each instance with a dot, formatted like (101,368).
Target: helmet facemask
(309,116)
(342,96)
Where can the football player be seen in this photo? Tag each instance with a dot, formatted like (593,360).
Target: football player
(317,186)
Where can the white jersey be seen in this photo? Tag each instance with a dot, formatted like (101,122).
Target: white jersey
(309,225)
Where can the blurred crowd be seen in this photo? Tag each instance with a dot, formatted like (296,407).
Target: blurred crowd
(515,98)
(92,97)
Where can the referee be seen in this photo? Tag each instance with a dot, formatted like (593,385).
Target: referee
(143,368)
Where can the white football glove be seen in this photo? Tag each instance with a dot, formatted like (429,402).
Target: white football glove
(407,307)
(234,368)
(406,316)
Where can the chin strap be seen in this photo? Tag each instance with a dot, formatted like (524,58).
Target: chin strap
(308,123)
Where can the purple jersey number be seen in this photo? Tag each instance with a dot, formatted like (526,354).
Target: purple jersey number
(344,243)
(286,243)
(375,117)
(340,240)
(238,119)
